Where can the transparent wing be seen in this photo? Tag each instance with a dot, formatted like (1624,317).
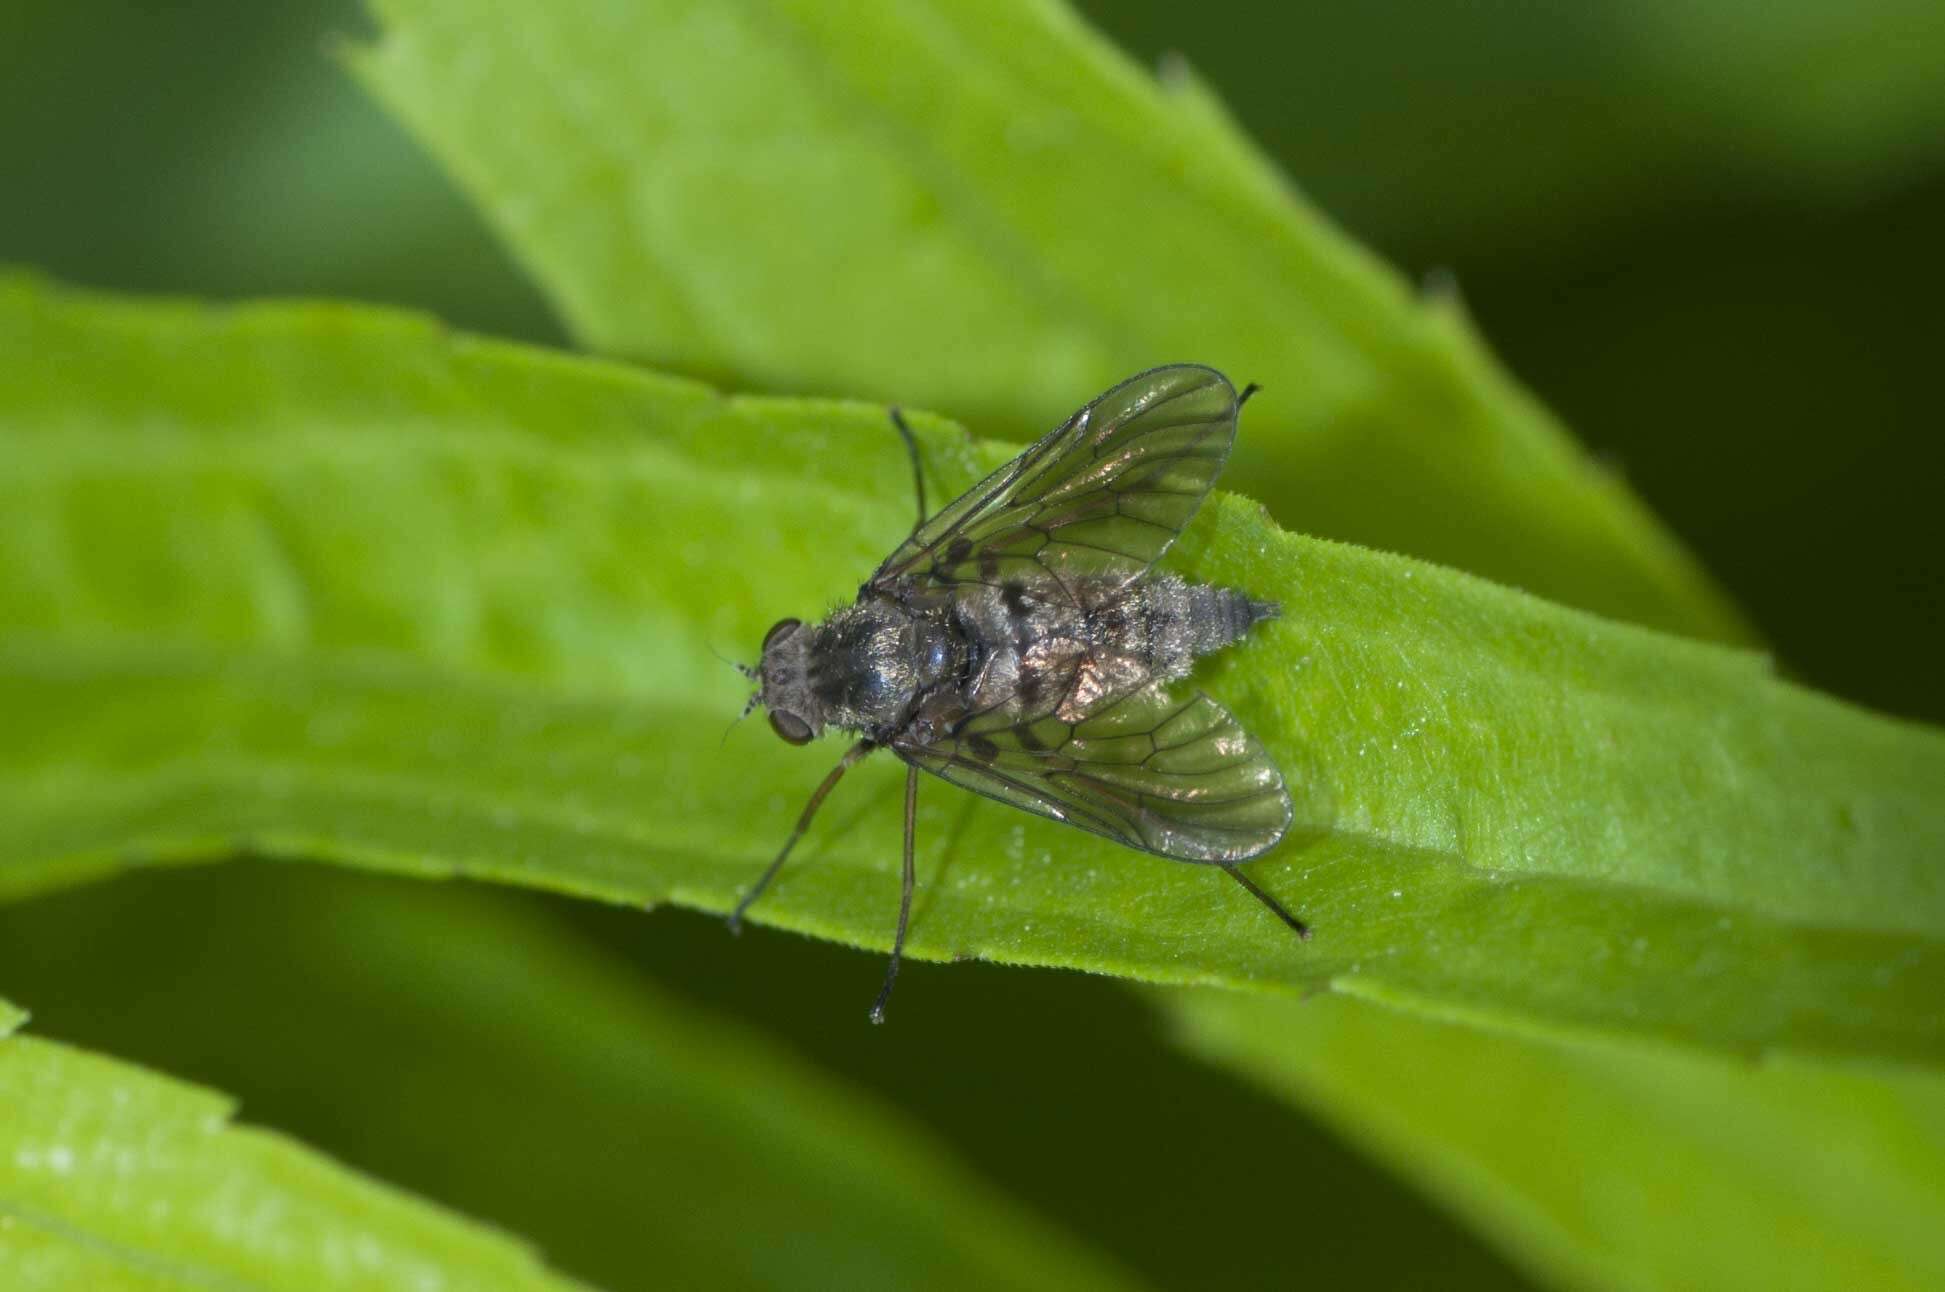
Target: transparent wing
(1100,496)
(1176,777)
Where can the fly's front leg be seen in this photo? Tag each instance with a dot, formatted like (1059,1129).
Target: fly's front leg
(844,764)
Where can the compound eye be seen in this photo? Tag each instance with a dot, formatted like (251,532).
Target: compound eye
(782,628)
(788,725)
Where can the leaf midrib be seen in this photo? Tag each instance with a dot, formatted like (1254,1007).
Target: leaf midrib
(175,1269)
(390,673)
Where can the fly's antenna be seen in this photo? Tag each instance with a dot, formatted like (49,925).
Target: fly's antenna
(1243,398)
(747,670)
(751,672)
(756,698)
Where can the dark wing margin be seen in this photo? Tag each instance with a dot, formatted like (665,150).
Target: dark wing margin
(1179,778)
(1102,495)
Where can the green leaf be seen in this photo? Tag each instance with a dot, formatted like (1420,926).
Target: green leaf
(478,1051)
(328,582)
(985,208)
(1518,131)
(393,1024)
(114,1178)
(1624,1167)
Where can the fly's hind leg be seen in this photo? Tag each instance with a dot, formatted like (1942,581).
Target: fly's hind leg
(1255,890)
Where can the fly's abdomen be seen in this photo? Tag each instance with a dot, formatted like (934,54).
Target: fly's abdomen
(1224,615)
(1026,651)
(1166,622)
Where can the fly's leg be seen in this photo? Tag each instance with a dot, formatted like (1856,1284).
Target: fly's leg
(1297,926)
(918,477)
(844,764)
(904,897)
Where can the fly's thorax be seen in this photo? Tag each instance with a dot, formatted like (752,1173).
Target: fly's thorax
(857,670)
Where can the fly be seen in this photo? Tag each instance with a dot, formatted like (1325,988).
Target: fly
(1020,644)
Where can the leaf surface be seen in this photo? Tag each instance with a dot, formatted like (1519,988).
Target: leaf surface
(476,1050)
(317,581)
(1618,1166)
(115,1178)
(986,208)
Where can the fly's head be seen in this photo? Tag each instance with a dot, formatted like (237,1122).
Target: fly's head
(796,713)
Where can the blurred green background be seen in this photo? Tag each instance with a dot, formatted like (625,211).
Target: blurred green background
(1707,235)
